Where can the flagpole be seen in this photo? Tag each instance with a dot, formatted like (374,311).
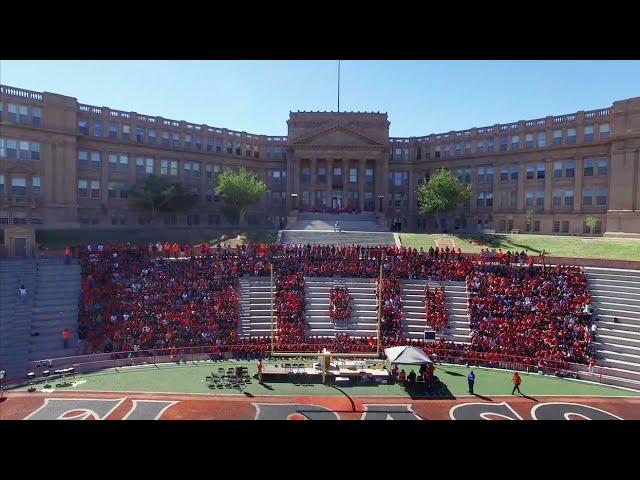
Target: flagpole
(338,86)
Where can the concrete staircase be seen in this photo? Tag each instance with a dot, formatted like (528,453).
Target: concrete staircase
(255,307)
(364,317)
(616,294)
(15,315)
(413,305)
(337,238)
(55,308)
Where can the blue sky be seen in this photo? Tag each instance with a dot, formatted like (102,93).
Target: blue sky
(421,97)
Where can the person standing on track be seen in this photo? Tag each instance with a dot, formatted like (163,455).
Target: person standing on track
(471,378)
(260,370)
(516,383)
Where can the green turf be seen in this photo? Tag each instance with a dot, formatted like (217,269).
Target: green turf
(555,246)
(189,378)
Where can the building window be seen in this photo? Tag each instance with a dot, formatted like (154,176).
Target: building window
(1,186)
(214,220)
(541,170)
(19,218)
(36,187)
(3,148)
(256,151)
(530,171)
(542,139)
(540,198)
(25,151)
(480,199)
(489,199)
(571,135)
(219,145)
(13,113)
(126,132)
(490,145)
(557,169)
(83,160)
(490,175)
(192,169)
(515,170)
(175,140)
(504,174)
(588,133)
(588,167)
(144,165)
(95,188)
(556,226)
(171,219)
(479,146)
(597,230)
(111,190)
(83,127)
(23,114)
(306,175)
(604,131)
(602,166)
(193,219)
(83,188)
(557,198)
(565,226)
(12,148)
(321,176)
(438,151)
(570,170)
(557,137)
(237,148)
(209,147)
(18,186)
(169,167)
(113,162)
(36,116)
(515,143)
(458,148)
(113,130)
(97,129)
(95,161)
(124,164)
(211,172)
(139,134)
(568,198)
(601,198)
(198,142)
(528,141)
(481,174)
(504,143)
(587,197)
(353,175)
(165,139)
(36,219)
(187,142)
(229,148)
(447,150)
(247,150)
(368,176)
(467,148)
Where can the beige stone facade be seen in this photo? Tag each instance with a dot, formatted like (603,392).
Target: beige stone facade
(68,165)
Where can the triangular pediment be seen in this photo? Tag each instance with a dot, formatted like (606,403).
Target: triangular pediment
(336,135)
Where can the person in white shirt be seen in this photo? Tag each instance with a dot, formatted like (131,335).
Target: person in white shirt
(23,293)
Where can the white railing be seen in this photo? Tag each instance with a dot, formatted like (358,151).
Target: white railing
(21,93)
(84,108)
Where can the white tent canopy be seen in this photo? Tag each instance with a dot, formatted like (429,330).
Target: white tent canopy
(406,355)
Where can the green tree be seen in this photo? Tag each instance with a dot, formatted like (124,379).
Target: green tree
(239,190)
(441,194)
(591,222)
(156,195)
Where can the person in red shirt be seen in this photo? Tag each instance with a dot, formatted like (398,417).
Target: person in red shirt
(167,249)
(516,384)
(176,250)
(65,337)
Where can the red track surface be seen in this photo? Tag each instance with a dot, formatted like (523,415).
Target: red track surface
(19,405)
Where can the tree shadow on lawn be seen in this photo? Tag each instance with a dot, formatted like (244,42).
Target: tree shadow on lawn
(495,241)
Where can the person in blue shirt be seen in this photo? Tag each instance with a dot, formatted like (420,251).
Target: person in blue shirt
(471,378)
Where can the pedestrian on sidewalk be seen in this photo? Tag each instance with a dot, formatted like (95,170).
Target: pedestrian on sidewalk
(471,378)
(66,334)
(516,383)
(23,293)
(67,256)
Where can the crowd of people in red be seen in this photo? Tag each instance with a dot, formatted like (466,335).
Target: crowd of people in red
(339,305)
(435,308)
(533,312)
(135,298)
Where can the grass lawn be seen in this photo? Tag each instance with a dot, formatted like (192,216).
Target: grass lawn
(63,238)
(189,378)
(557,246)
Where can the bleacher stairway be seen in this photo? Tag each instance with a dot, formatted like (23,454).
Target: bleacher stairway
(456,299)
(255,307)
(52,305)
(616,294)
(317,228)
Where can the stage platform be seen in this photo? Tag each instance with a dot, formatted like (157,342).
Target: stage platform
(312,374)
